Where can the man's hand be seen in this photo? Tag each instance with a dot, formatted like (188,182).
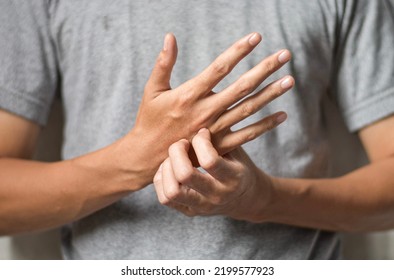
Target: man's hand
(233,186)
(167,115)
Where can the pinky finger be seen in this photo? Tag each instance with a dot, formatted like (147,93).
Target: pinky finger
(251,132)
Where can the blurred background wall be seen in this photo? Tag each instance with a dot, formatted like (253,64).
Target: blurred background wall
(348,155)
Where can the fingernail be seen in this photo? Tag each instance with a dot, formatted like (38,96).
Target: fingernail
(286,83)
(284,56)
(254,39)
(202,130)
(281,118)
(165,45)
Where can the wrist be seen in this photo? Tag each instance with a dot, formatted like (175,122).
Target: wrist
(121,166)
(138,155)
(260,199)
(129,163)
(266,185)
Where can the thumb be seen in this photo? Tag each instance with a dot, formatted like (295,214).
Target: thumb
(159,79)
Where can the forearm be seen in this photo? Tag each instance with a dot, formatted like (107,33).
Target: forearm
(359,201)
(35,196)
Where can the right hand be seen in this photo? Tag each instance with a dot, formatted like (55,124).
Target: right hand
(167,115)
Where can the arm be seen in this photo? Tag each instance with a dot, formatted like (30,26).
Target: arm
(36,195)
(362,200)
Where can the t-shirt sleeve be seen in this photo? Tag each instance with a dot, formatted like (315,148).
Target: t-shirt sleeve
(364,63)
(28,70)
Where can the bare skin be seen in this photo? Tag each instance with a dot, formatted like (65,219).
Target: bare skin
(35,195)
(362,200)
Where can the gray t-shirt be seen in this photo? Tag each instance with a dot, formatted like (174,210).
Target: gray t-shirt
(98,54)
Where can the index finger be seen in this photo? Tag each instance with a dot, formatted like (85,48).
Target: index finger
(208,157)
(224,64)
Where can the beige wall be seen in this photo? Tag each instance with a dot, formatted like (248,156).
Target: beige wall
(46,245)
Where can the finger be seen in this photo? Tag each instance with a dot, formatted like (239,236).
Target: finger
(171,188)
(163,199)
(208,157)
(158,184)
(184,171)
(159,79)
(186,210)
(249,133)
(176,192)
(252,104)
(223,64)
(249,81)
(181,163)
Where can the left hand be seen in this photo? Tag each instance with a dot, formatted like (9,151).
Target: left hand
(233,186)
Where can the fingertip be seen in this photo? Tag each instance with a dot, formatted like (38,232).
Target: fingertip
(172,36)
(254,39)
(284,56)
(170,42)
(204,133)
(184,142)
(166,161)
(292,80)
(287,82)
(281,117)
(175,148)
(203,130)
(160,77)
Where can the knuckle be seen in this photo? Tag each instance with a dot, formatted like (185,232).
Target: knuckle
(176,114)
(185,97)
(198,85)
(241,170)
(210,162)
(184,175)
(207,209)
(244,86)
(171,194)
(182,103)
(242,47)
(164,201)
(239,46)
(218,199)
(270,65)
(271,124)
(247,109)
(161,61)
(189,213)
(276,93)
(220,68)
(174,148)
(239,177)
(251,135)
(156,180)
